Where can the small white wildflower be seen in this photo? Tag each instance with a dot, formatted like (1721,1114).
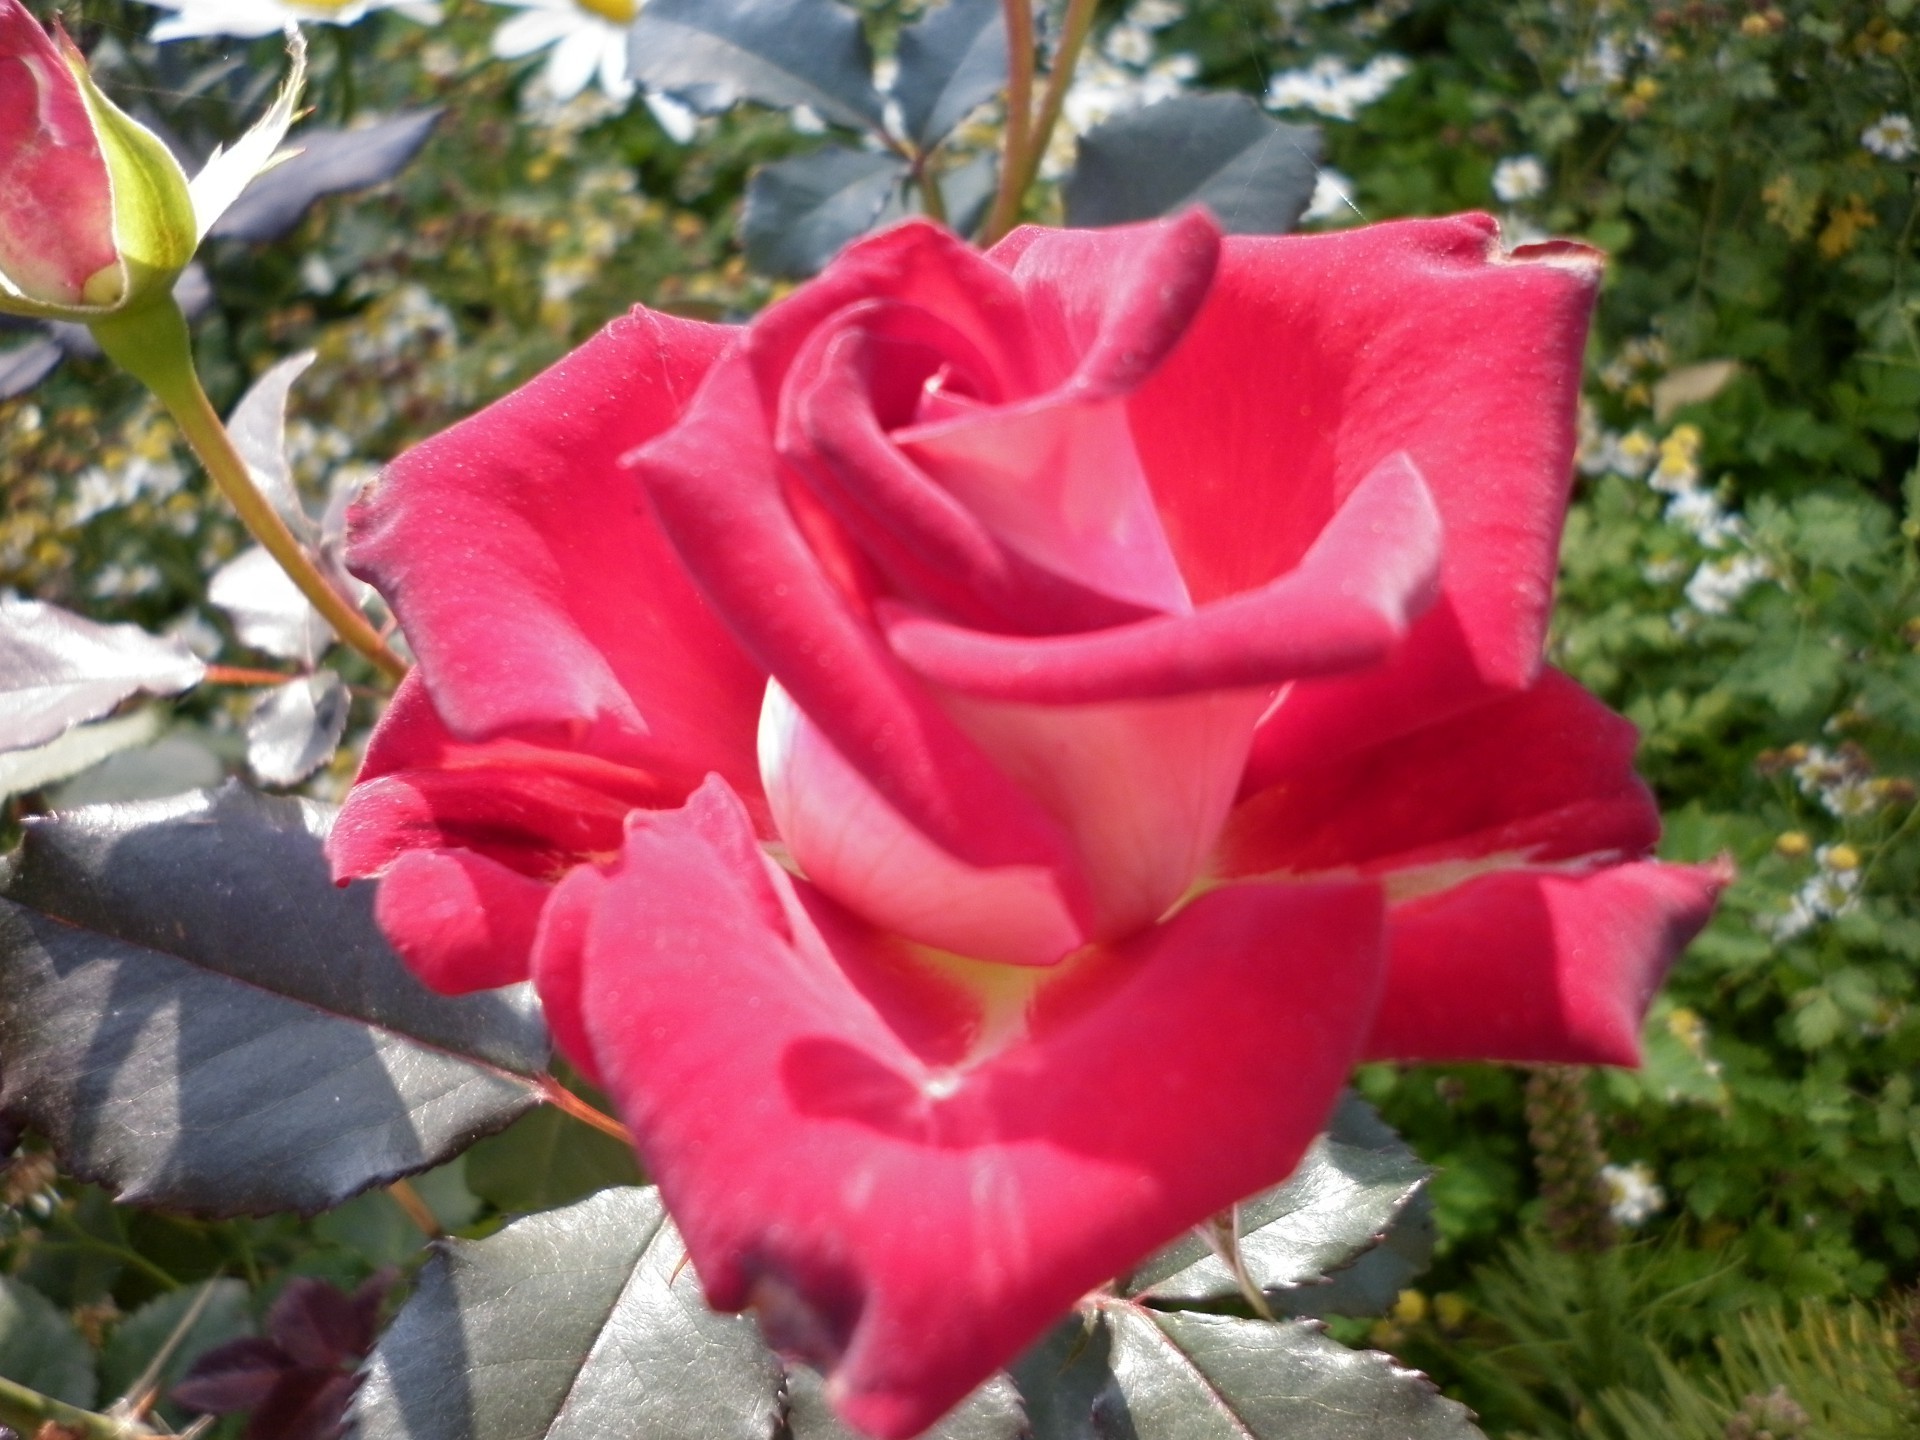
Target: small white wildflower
(1718,585)
(1519,177)
(1832,890)
(1700,514)
(1606,452)
(1634,1197)
(1842,782)
(1155,14)
(1128,44)
(1891,137)
(1329,87)
(1603,65)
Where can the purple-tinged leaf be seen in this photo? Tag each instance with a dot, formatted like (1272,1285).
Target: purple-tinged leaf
(296,727)
(58,669)
(198,1018)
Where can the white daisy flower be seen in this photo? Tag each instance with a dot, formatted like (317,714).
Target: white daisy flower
(1519,177)
(587,43)
(250,19)
(1891,137)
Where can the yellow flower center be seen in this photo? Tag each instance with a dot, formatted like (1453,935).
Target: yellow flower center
(619,12)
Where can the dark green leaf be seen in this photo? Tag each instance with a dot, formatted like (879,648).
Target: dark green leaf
(779,52)
(1255,174)
(801,211)
(993,1412)
(39,1347)
(1186,1375)
(1149,1375)
(577,1324)
(137,1339)
(546,1159)
(328,162)
(197,1017)
(968,190)
(1344,1196)
(950,62)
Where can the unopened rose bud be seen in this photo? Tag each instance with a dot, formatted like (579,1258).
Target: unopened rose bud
(95,213)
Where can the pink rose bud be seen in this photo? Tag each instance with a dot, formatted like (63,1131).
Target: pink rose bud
(95,213)
(56,202)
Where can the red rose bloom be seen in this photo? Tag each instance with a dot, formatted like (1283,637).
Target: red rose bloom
(973,758)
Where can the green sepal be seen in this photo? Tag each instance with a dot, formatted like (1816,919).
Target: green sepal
(153,221)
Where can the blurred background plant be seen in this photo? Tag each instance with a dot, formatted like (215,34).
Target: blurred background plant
(1724,1246)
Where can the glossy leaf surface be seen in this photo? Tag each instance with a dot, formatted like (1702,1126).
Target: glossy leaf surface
(1151,1375)
(199,1019)
(576,1324)
(58,669)
(1255,174)
(1354,1183)
(801,211)
(778,52)
(950,62)
(295,728)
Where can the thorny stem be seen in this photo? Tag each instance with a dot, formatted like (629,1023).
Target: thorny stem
(152,345)
(1013,158)
(568,1103)
(30,1412)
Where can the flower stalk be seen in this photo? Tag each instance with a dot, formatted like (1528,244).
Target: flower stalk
(1567,1153)
(1028,135)
(151,343)
(33,1414)
(1073,39)
(1013,158)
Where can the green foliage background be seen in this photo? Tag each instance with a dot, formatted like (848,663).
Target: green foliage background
(1756,356)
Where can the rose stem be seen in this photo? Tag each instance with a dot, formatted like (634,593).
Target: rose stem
(417,1210)
(153,346)
(31,1413)
(1013,159)
(568,1103)
(240,675)
(1073,38)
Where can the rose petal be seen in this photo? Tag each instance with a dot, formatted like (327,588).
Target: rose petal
(1348,602)
(858,848)
(1537,967)
(1056,478)
(929,544)
(1142,786)
(1314,358)
(911,1224)
(469,838)
(718,491)
(542,600)
(921,266)
(462,922)
(1538,777)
